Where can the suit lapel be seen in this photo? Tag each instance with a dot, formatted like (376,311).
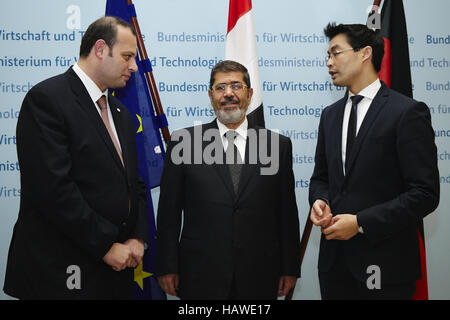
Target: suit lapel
(120,129)
(248,170)
(224,173)
(338,136)
(86,104)
(376,106)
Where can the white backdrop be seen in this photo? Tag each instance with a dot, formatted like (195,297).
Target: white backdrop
(184,39)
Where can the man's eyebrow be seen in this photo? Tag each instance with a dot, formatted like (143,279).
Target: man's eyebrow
(333,47)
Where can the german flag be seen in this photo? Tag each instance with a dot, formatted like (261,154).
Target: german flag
(395,68)
(396,73)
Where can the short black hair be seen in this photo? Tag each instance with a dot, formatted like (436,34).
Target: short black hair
(229,66)
(104,28)
(359,36)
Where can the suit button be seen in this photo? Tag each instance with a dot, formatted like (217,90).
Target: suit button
(124,224)
(344,193)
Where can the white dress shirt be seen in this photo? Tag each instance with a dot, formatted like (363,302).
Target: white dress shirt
(241,138)
(369,94)
(95,93)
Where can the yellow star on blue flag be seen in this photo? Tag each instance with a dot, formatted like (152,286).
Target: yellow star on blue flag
(140,275)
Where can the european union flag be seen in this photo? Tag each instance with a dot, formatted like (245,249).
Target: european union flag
(136,97)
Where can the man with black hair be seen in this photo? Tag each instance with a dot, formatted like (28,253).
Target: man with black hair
(375,176)
(82,220)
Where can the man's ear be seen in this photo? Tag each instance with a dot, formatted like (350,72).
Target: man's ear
(100,48)
(250,94)
(367,52)
(210,95)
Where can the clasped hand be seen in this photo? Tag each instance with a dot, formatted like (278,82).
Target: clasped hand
(339,227)
(122,255)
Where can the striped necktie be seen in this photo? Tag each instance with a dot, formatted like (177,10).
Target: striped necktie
(233,159)
(104,113)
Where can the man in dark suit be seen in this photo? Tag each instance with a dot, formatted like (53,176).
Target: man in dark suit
(375,176)
(81,224)
(239,230)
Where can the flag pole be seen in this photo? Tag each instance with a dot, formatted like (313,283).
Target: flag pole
(149,75)
(303,245)
(376,3)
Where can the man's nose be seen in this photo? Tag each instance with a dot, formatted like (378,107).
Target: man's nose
(133,65)
(329,62)
(228,91)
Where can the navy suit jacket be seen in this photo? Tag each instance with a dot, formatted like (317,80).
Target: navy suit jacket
(77,199)
(391,185)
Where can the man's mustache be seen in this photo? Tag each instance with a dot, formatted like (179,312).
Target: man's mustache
(229,100)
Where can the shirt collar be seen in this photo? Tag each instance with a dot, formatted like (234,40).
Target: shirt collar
(241,130)
(94,91)
(370,91)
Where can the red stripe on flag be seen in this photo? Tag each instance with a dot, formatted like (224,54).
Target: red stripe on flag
(236,10)
(386,63)
(422,284)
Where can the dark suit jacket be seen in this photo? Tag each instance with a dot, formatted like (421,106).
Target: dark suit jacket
(391,185)
(251,238)
(76,197)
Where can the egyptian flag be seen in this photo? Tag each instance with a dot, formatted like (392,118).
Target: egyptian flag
(396,73)
(241,47)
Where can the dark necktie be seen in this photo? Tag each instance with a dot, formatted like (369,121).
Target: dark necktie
(104,113)
(233,159)
(351,131)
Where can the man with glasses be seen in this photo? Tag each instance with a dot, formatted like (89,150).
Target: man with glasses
(375,176)
(240,229)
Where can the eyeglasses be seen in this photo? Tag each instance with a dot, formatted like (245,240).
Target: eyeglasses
(335,53)
(235,87)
